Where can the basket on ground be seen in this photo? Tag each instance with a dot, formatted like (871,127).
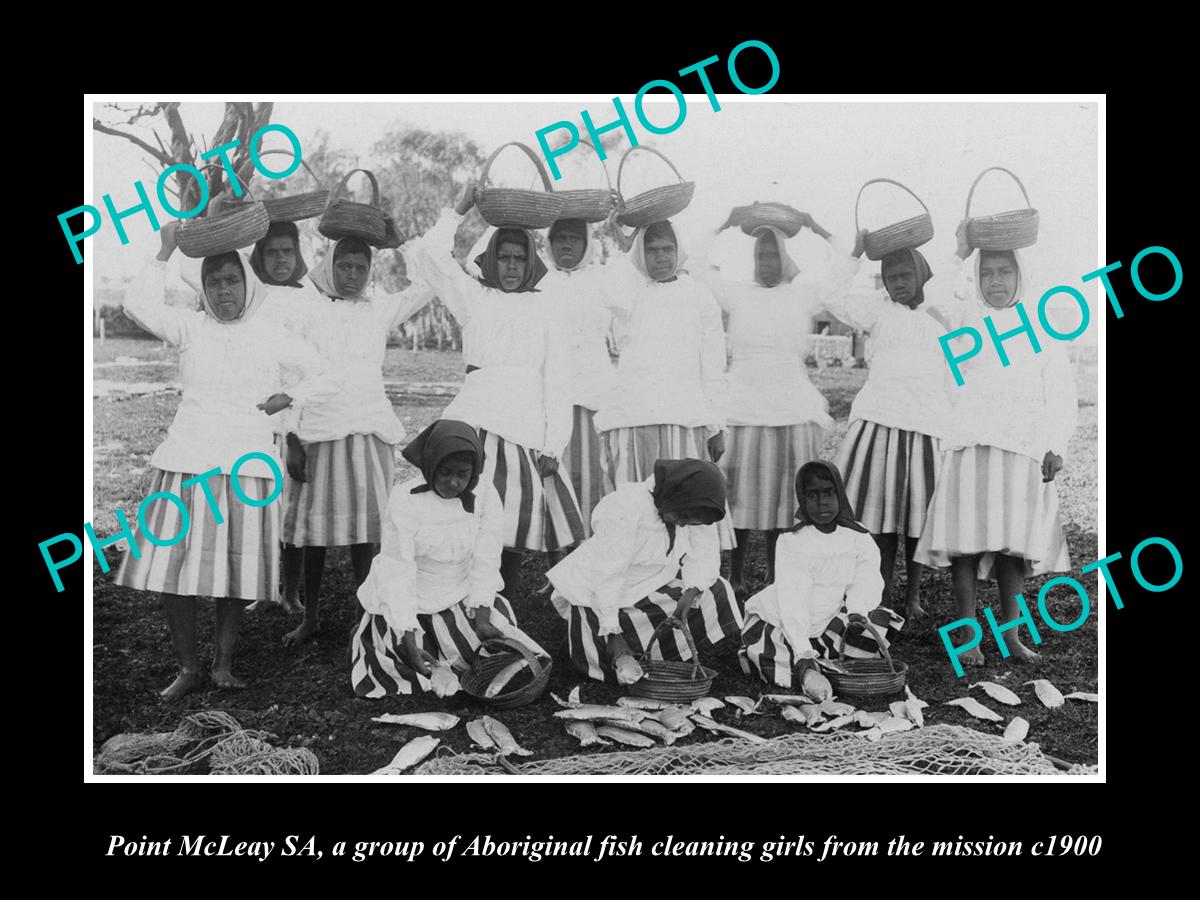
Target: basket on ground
(774,215)
(671,680)
(518,207)
(656,204)
(530,683)
(225,226)
(911,232)
(867,677)
(1012,230)
(296,207)
(348,218)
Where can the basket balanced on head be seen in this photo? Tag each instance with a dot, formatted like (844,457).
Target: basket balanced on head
(225,226)
(518,207)
(912,232)
(589,204)
(1012,230)
(773,215)
(656,204)
(672,680)
(296,207)
(524,687)
(867,677)
(347,218)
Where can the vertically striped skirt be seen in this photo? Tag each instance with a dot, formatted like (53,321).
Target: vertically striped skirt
(765,647)
(586,465)
(539,513)
(760,465)
(344,498)
(716,614)
(990,501)
(238,559)
(378,669)
(630,455)
(890,475)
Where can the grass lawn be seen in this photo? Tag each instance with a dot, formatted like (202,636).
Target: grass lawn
(304,695)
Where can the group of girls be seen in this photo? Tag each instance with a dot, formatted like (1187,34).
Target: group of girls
(645,470)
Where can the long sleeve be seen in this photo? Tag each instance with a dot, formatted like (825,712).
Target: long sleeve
(840,268)
(392,309)
(713,358)
(556,383)
(145,303)
(390,589)
(857,307)
(701,566)
(485,561)
(317,380)
(431,259)
(940,300)
(595,574)
(711,278)
(1062,402)
(793,587)
(863,593)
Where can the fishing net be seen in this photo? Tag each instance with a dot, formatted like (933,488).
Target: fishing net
(936,750)
(212,740)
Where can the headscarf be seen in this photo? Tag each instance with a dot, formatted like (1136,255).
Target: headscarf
(787,266)
(192,272)
(323,276)
(825,468)
(445,436)
(920,267)
(489,263)
(589,245)
(1015,256)
(688,485)
(637,255)
(278,230)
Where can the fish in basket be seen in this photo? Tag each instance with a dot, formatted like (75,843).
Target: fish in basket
(511,675)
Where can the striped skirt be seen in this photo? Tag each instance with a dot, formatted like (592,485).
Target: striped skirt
(238,559)
(539,513)
(716,614)
(585,463)
(765,647)
(630,454)
(890,475)
(990,501)
(345,495)
(760,465)
(378,669)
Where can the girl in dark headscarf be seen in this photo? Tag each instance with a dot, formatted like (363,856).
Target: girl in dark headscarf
(517,392)
(431,596)
(827,584)
(654,553)
(277,259)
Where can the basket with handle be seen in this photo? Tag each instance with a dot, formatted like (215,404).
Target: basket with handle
(656,204)
(589,204)
(775,215)
(226,225)
(348,218)
(296,207)
(907,233)
(672,680)
(867,677)
(1010,230)
(506,651)
(521,207)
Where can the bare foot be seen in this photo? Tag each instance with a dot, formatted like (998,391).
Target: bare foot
(1019,653)
(973,657)
(301,633)
(913,610)
(291,605)
(184,684)
(224,680)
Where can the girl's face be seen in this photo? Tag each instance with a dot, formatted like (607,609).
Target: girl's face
(350,274)
(900,280)
(452,477)
(820,500)
(567,248)
(766,258)
(225,289)
(660,258)
(511,260)
(279,258)
(997,280)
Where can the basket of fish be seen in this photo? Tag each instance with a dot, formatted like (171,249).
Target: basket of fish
(510,676)
(673,680)
(866,677)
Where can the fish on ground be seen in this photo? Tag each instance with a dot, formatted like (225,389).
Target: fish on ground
(656,729)
(505,742)
(585,733)
(1047,693)
(432,721)
(1016,731)
(707,705)
(409,755)
(711,725)
(836,708)
(593,711)
(479,736)
(745,705)
(645,703)
(975,708)
(998,692)
(624,736)
(895,723)
(1083,695)
(672,717)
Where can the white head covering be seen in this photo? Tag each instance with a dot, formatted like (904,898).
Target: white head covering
(322,276)
(585,258)
(1022,277)
(788,267)
(256,292)
(637,254)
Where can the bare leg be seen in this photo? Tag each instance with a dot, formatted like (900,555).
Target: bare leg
(181,621)
(962,575)
(314,568)
(229,620)
(292,559)
(737,561)
(1010,576)
(912,594)
(772,540)
(887,564)
(510,571)
(360,561)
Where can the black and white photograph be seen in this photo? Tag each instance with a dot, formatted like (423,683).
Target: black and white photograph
(533,438)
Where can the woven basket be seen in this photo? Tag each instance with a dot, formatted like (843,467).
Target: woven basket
(671,680)
(485,668)
(296,207)
(908,233)
(518,206)
(867,677)
(226,225)
(589,204)
(1010,230)
(348,218)
(657,204)
(775,215)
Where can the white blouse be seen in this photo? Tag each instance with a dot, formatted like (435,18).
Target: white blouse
(815,575)
(434,555)
(672,366)
(626,557)
(225,370)
(520,389)
(583,296)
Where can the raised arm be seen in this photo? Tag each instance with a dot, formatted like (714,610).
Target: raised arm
(940,301)
(392,309)
(145,300)
(430,259)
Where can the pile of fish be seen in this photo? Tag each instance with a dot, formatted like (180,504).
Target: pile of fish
(641,722)
(1017,729)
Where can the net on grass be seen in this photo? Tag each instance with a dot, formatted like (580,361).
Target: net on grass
(936,750)
(210,739)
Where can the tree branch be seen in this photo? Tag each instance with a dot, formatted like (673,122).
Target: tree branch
(104,129)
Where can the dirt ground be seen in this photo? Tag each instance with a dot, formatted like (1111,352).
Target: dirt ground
(304,697)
